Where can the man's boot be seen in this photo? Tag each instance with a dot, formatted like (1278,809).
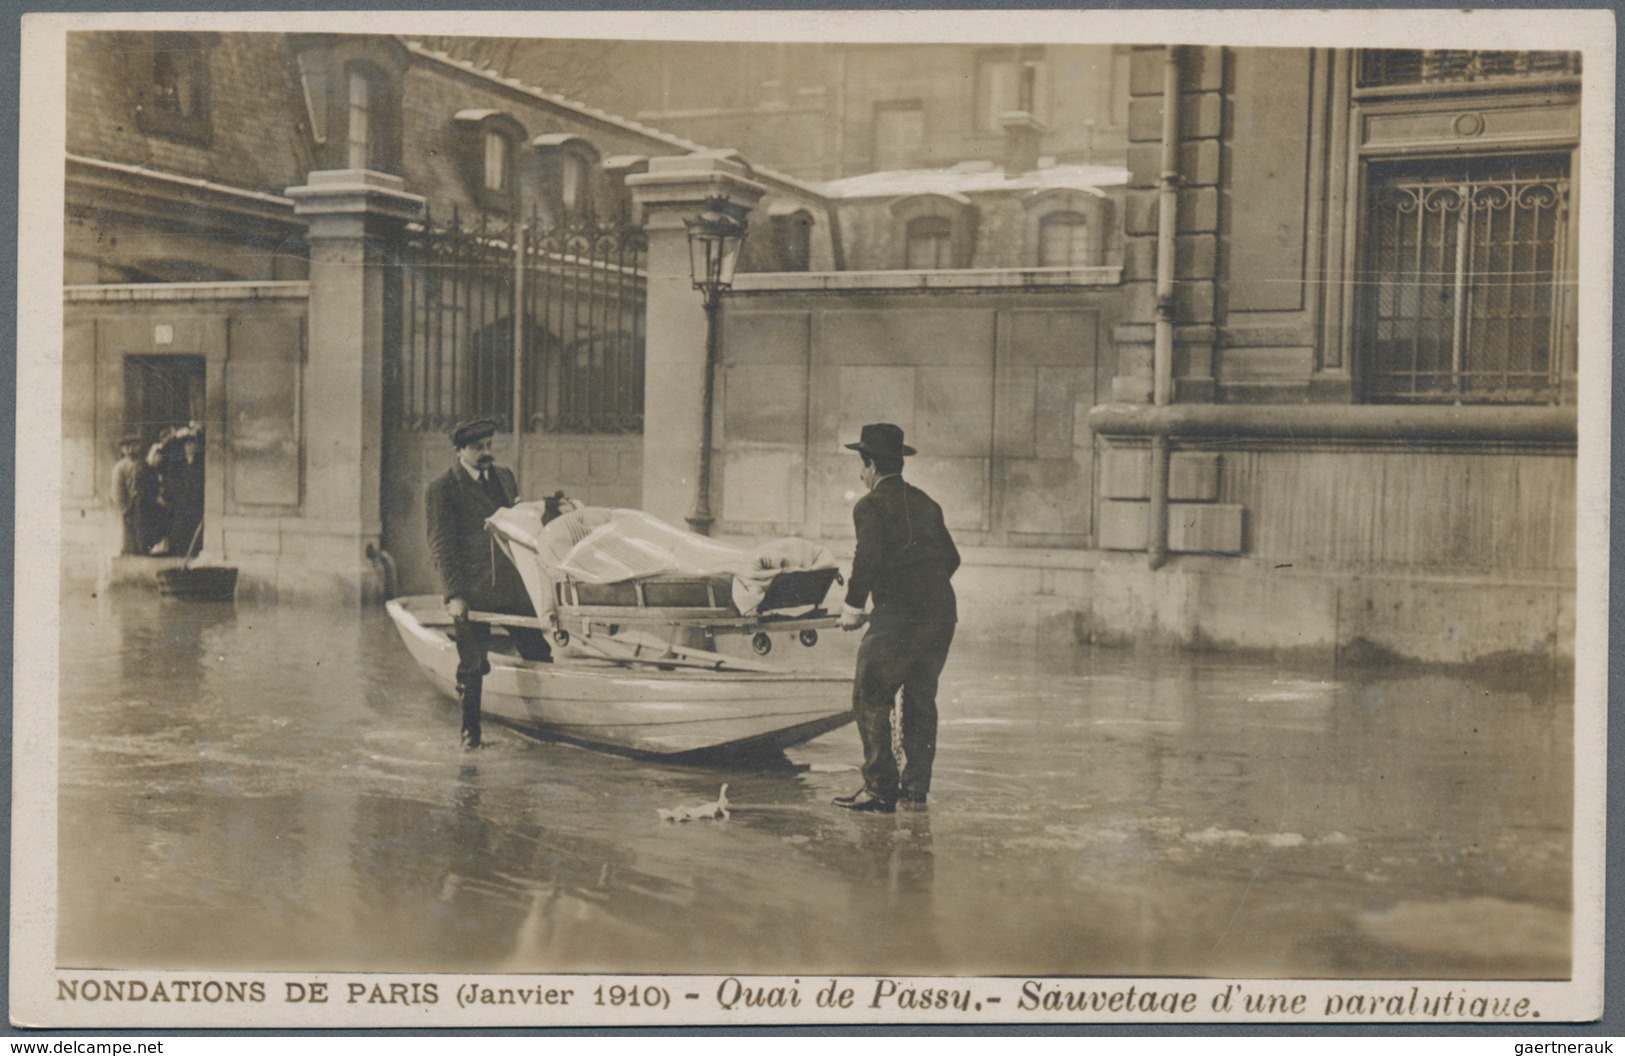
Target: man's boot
(471,713)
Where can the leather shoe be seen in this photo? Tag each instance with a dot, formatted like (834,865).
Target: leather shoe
(914,802)
(866,802)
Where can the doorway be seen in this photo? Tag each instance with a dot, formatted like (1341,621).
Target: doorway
(162,392)
(164,406)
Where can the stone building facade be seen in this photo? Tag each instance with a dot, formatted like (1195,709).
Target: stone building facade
(238,206)
(1349,389)
(832,111)
(1220,397)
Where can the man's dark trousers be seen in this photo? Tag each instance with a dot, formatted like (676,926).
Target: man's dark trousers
(907,656)
(473,638)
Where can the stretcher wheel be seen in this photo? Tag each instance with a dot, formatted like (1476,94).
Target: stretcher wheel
(808,637)
(561,637)
(761,643)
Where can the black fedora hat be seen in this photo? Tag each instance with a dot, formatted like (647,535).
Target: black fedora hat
(472,430)
(882,438)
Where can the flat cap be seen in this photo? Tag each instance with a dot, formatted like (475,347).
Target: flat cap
(472,430)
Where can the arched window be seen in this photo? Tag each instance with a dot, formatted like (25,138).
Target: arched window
(790,227)
(361,137)
(175,97)
(930,243)
(568,167)
(497,175)
(1064,241)
(177,80)
(489,141)
(1067,227)
(352,95)
(934,231)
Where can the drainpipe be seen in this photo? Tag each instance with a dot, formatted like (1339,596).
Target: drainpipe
(521,232)
(1162,352)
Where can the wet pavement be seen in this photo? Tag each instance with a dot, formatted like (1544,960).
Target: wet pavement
(247,787)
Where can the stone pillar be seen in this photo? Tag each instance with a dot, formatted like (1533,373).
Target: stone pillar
(673,190)
(356,219)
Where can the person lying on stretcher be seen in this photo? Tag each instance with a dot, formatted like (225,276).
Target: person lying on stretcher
(597,545)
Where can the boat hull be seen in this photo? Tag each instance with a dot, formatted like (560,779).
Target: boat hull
(636,711)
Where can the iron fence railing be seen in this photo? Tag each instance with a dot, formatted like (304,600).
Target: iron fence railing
(1381,67)
(584,302)
(1465,284)
(579,290)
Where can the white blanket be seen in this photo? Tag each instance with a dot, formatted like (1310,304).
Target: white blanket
(596,544)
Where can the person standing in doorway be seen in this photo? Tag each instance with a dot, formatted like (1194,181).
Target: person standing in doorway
(135,487)
(154,514)
(474,572)
(183,491)
(903,562)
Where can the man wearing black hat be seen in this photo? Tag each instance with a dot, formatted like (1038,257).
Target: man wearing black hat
(903,561)
(475,573)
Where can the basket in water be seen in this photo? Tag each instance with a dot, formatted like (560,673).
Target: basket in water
(203,583)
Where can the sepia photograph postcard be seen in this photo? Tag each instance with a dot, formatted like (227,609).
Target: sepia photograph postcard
(699,519)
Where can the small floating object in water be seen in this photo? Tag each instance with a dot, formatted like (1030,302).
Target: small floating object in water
(717,810)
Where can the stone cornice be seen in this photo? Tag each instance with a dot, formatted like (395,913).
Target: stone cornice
(348,191)
(937,279)
(1320,421)
(96,178)
(186,292)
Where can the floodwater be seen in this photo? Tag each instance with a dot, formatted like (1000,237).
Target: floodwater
(254,787)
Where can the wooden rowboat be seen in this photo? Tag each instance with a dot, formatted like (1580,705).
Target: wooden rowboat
(631,695)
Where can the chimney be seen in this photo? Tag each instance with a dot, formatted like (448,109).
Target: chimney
(1023,133)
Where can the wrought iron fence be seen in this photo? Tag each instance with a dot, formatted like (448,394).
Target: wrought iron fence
(579,290)
(1465,287)
(584,305)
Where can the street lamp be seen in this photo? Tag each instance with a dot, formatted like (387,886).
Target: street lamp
(714,238)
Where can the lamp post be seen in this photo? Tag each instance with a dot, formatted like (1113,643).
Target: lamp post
(714,238)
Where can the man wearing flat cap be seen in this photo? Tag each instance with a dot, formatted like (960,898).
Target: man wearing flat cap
(476,575)
(903,562)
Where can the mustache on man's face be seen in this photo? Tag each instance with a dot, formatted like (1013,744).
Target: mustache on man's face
(486,460)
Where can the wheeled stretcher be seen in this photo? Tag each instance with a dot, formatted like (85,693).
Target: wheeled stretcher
(604,571)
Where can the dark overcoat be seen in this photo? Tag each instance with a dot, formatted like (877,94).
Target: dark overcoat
(471,564)
(904,557)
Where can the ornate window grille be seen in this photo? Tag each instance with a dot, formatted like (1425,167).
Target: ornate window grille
(1465,283)
(1388,67)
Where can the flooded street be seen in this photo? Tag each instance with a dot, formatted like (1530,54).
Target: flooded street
(254,787)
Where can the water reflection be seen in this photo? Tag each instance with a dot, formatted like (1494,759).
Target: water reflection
(260,787)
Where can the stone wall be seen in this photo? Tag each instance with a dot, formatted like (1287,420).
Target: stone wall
(250,338)
(256,138)
(992,386)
